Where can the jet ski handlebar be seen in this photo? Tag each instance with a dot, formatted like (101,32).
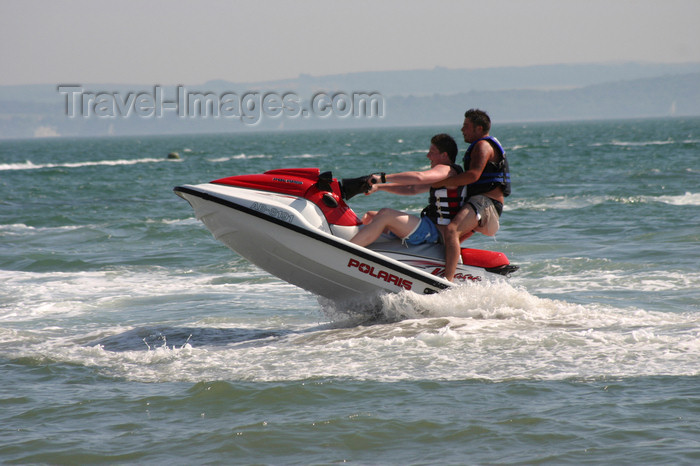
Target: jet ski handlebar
(353,186)
(350,187)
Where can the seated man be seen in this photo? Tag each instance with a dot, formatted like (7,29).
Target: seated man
(444,203)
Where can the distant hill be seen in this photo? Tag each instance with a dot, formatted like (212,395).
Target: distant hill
(441,80)
(640,98)
(418,97)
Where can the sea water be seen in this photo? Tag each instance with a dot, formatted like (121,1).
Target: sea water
(129,335)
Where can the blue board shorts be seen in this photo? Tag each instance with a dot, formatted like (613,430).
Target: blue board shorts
(425,232)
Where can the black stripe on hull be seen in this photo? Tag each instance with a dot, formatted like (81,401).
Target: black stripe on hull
(358,252)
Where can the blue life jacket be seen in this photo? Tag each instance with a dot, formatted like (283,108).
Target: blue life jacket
(494,174)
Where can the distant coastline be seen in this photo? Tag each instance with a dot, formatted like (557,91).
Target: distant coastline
(396,98)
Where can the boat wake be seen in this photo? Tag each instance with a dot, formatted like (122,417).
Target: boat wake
(500,301)
(494,333)
(489,331)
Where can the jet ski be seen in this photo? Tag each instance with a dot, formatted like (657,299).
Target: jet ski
(296,224)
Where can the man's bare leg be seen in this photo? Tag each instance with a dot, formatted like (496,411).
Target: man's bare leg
(401,223)
(464,222)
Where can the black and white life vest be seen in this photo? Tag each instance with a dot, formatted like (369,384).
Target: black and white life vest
(444,203)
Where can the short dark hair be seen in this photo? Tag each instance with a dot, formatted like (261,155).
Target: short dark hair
(445,143)
(479,118)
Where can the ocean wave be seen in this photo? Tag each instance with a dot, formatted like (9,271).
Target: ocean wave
(304,156)
(29,165)
(174,221)
(582,202)
(569,277)
(39,295)
(408,152)
(557,203)
(664,142)
(21,228)
(691,199)
(687,199)
(238,157)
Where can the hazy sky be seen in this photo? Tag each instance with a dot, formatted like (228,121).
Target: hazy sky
(190,42)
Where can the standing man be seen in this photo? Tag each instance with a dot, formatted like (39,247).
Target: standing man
(487,177)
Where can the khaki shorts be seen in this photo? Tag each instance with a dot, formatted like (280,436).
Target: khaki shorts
(486,213)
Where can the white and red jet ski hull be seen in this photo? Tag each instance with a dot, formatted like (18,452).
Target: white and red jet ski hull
(284,223)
